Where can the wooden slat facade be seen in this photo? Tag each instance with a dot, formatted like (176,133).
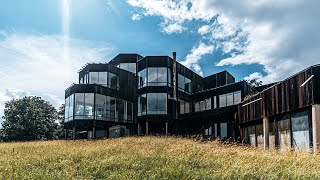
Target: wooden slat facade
(285,96)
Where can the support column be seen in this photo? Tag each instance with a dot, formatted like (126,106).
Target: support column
(94,133)
(166,128)
(266,133)
(139,129)
(147,128)
(74,133)
(66,134)
(316,128)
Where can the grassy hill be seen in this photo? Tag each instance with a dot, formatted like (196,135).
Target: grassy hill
(151,158)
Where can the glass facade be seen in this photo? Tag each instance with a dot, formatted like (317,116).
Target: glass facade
(152,103)
(154,76)
(128,66)
(184,84)
(283,129)
(203,105)
(102,78)
(184,107)
(300,130)
(99,107)
(230,99)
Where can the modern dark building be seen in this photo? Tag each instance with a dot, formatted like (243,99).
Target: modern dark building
(136,95)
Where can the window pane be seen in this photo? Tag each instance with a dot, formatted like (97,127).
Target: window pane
(187,85)
(181,82)
(202,106)
(300,130)
(162,75)
(100,107)
(129,111)
(215,102)
(284,139)
(169,78)
(79,105)
(181,107)
(66,109)
(187,107)
(237,97)
(94,77)
(113,81)
(197,106)
(152,76)
(162,103)
(152,103)
(223,130)
(71,98)
(230,99)
(112,109)
(142,78)
(144,104)
(208,104)
(103,78)
(222,101)
(132,67)
(89,103)
(120,110)
(259,132)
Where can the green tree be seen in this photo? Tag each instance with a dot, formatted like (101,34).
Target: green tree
(60,130)
(254,82)
(29,118)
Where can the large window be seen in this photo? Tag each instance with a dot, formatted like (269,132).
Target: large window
(156,103)
(184,107)
(203,105)
(154,76)
(184,84)
(68,115)
(283,129)
(128,66)
(106,108)
(300,130)
(142,105)
(103,78)
(230,99)
(142,78)
(84,105)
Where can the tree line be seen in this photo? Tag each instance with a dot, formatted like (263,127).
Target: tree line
(32,118)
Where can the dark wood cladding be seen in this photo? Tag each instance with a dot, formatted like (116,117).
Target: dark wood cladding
(282,97)
(229,88)
(125,58)
(155,61)
(217,80)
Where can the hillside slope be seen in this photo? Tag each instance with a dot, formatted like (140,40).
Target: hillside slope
(152,158)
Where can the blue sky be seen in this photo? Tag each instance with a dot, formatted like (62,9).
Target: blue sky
(268,40)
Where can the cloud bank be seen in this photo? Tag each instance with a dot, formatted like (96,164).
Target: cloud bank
(282,36)
(33,64)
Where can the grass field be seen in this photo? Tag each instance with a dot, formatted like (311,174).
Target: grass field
(150,158)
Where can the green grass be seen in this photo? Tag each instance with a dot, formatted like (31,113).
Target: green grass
(151,158)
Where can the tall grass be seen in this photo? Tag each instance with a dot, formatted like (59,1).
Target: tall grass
(151,158)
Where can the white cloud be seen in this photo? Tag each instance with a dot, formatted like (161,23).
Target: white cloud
(204,29)
(173,28)
(136,17)
(34,64)
(282,36)
(195,55)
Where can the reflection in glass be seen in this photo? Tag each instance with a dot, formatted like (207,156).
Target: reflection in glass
(94,78)
(79,105)
(89,104)
(300,130)
(284,139)
(142,78)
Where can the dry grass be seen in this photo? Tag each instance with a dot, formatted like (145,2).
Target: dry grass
(151,158)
